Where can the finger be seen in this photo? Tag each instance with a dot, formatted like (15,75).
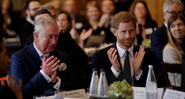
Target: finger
(14,82)
(115,57)
(49,59)
(55,64)
(3,83)
(110,52)
(45,58)
(83,31)
(54,69)
(9,81)
(20,85)
(53,61)
(136,54)
(114,53)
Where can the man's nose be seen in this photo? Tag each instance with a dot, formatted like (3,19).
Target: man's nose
(54,40)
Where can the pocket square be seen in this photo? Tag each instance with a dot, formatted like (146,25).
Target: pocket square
(62,67)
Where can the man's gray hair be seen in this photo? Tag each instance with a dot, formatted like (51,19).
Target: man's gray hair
(41,22)
(47,6)
(168,3)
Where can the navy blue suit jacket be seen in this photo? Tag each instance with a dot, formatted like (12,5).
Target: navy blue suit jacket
(100,60)
(159,39)
(25,64)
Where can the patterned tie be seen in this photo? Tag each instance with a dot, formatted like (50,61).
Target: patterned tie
(127,70)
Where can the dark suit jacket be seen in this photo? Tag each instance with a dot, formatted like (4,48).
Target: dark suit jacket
(69,46)
(183,73)
(25,31)
(100,60)
(25,64)
(6,93)
(159,39)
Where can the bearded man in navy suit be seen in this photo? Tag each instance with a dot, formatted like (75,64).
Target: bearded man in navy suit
(42,68)
(113,58)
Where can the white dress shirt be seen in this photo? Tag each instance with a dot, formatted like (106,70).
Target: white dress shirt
(122,55)
(30,21)
(48,79)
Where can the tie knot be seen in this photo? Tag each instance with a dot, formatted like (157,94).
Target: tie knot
(42,57)
(127,52)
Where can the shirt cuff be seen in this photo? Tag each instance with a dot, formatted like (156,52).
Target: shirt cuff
(57,85)
(138,76)
(48,79)
(116,74)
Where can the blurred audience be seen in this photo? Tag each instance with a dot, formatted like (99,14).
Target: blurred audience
(57,5)
(107,8)
(77,20)
(172,52)
(9,25)
(122,5)
(11,91)
(42,68)
(31,7)
(64,21)
(145,25)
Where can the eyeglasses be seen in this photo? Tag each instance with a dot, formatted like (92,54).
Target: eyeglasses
(173,12)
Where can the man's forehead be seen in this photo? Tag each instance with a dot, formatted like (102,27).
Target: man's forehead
(34,4)
(175,7)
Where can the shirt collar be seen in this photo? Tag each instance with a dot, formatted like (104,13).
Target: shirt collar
(30,21)
(121,51)
(38,51)
(165,24)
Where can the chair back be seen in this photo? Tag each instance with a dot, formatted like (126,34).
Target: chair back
(173,68)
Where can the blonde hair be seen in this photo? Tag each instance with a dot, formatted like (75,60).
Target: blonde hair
(171,39)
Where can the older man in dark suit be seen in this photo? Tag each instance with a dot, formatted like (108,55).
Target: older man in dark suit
(121,60)
(42,68)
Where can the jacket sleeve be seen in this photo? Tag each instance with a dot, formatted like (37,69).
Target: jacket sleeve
(32,86)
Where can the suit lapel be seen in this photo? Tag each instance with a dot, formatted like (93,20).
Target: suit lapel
(35,57)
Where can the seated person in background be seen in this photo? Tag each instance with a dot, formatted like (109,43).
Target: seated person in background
(77,20)
(42,68)
(31,7)
(115,59)
(159,37)
(9,24)
(107,8)
(7,92)
(145,25)
(93,14)
(175,47)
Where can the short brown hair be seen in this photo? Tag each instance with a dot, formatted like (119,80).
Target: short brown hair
(124,17)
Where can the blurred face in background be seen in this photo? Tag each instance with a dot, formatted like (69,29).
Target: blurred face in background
(107,7)
(4,61)
(177,29)
(173,9)
(93,13)
(33,8)
(140,10)
(5,4)
(69,6)
(53,13)
(63,22)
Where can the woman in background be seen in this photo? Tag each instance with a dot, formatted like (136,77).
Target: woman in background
(8,20)
(172,52)
(145,25)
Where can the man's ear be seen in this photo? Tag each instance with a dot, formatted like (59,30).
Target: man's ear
(36,36)
(114,32)
(27,12)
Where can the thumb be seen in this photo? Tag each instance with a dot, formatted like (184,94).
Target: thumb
(45,58)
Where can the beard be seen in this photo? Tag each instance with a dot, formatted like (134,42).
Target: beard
(32,17)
